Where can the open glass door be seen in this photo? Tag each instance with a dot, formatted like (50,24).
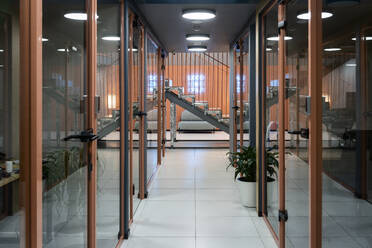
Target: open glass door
(65,128)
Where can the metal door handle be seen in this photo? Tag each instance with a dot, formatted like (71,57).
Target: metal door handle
(84,136)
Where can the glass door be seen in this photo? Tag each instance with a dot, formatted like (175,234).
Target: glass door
(108,123)
(65,114)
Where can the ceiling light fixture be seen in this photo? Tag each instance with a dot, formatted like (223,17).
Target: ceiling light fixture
(332,49)
(197,48)
(197,37)
(77,16)
(276,38)
(44,39)
(268,49)
(366,38)
(62,50)
(111,38)
(307,15)
(198,14)
(1,50)
(351,65)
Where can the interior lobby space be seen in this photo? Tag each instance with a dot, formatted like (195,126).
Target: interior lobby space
(185,123)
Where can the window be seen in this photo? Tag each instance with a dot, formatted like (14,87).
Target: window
(238,83)
(196,83)
(152,83)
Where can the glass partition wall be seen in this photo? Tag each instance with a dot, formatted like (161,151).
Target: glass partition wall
(108,123)
(346,123)
(151,88)
(64,162)
(11,208)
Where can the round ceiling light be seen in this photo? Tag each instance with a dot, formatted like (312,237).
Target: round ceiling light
(111,38)
(44,39)
(62,50)
(366,38)
(1,50)
(77,16)
(306,15)
(268,49)
(197,37)
(332,49)
(276,38)
(197,48)
(198,14)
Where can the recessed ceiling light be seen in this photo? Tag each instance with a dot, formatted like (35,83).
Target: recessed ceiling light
(1,50)
(78,16)
(366,38)
(44,39)
(306,15)
(197,37)
(351,65)
(62,50)
(1,66)
(276,38)
(198,14)
(268,49)
(197,48)
(111,38)
(332,49)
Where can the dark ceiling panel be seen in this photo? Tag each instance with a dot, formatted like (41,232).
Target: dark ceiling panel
(171,28)
(197,1)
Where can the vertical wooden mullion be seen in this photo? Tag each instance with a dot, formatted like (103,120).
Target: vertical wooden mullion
(281,142)
(31,121)
(163,109)
(91,120)
(142,119)
(235,99)
(315,125)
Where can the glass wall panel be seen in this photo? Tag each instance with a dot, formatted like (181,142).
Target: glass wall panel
(135,98)
(245,90)
(296,122)
(64,93)
(11,211)
(271,82)
(108,123)
(347,160)
(151,106)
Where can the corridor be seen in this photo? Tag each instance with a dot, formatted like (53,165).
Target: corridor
(194,203)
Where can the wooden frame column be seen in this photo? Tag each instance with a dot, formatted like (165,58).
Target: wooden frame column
(163,106)
(130,117)
(31,121)
(92,118)
(235,107)
(281,143)
(315,143)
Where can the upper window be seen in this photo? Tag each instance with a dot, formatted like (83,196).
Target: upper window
(196,83)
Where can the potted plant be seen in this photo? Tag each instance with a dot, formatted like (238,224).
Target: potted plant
(244,163)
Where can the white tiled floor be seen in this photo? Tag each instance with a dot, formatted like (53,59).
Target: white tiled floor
(194,203)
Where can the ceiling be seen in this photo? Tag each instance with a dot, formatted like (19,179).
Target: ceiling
(166,21)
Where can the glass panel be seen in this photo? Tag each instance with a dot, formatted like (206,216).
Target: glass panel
(346,125)
(64,89)
(11,213)
(152,117)
(297,118)
(245,91)
(135,98)
(271,112)
(108,122)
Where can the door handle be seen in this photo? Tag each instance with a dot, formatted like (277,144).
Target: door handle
(84,136)
(304,132)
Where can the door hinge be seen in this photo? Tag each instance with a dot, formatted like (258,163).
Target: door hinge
(283,215)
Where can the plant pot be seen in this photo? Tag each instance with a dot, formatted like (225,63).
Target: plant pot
(247,191)
(272,192)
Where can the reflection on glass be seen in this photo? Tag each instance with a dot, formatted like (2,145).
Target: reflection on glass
(272,109)
(297,95)
(64,88)
(346,123)
(11,212)
(152,114)
(108,117)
